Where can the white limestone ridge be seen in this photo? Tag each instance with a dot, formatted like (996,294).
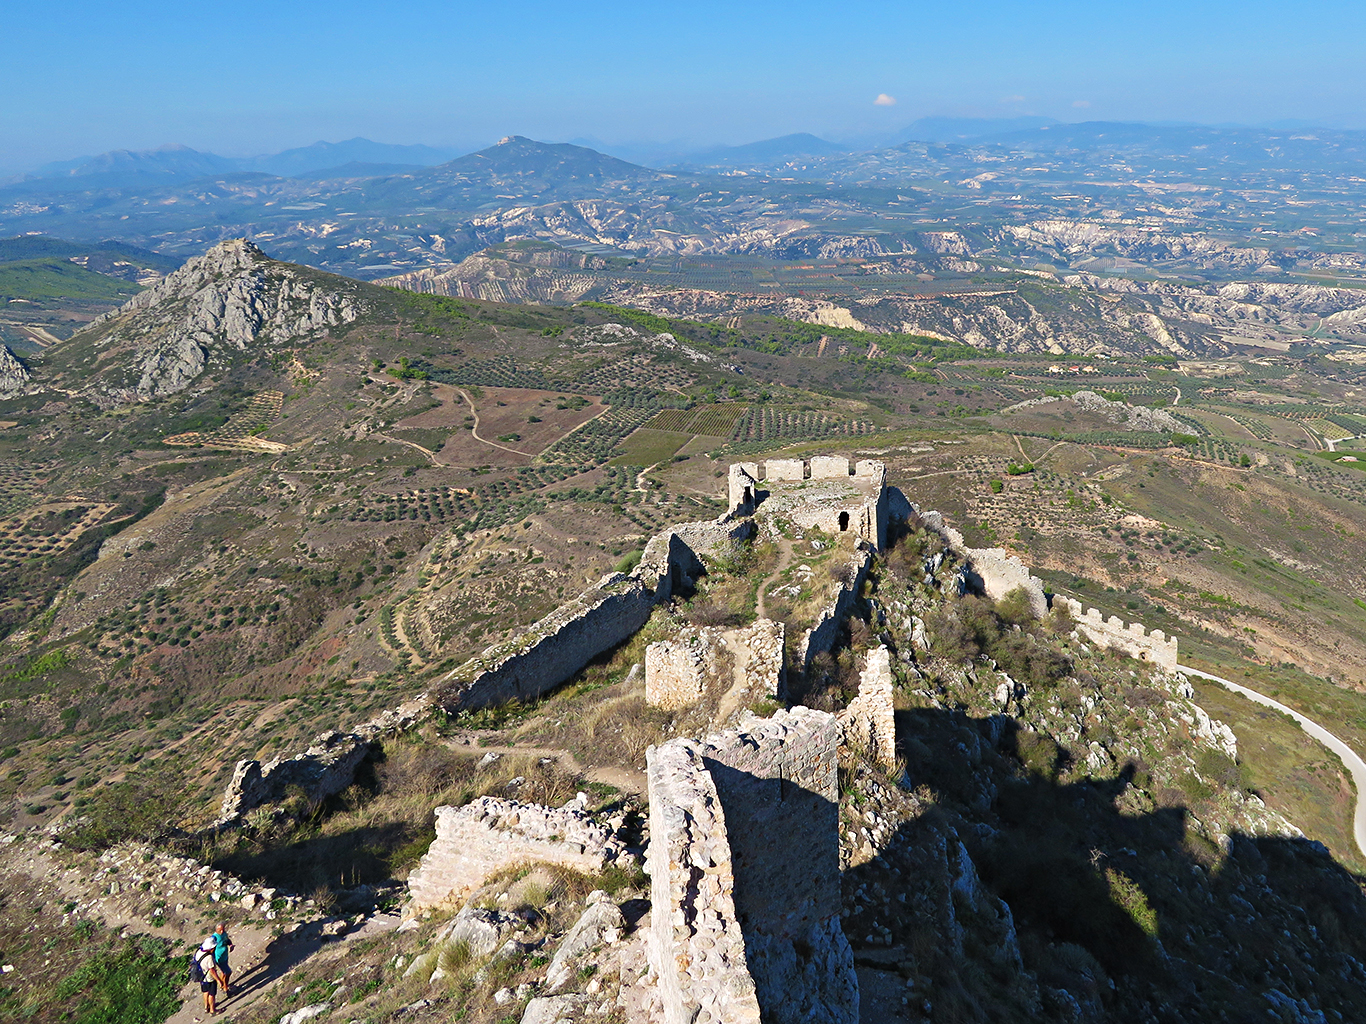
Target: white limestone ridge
(232,298)
(14,376)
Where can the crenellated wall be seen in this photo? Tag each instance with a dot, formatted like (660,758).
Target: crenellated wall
(1132,638)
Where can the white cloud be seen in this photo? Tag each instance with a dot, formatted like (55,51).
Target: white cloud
(1081,103)
(883,100)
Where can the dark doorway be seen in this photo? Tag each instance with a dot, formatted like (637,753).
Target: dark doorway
(749,497)
(844,522)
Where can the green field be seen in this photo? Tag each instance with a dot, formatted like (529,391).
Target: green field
(647,446)
(46,279)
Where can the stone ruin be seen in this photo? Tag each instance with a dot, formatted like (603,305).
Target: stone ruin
(744,875)
(484,836)
(726,668)
(1131,638)
(868,723)
(323,770)
(817,494)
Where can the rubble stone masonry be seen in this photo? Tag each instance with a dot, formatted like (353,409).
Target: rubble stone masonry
(869,722)
(769,838)
(484,836)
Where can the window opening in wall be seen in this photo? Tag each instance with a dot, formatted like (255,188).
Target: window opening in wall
(844,521)
(749,496)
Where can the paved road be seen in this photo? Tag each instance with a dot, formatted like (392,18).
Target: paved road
(1355,765)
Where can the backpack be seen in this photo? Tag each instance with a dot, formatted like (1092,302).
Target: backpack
(196,969)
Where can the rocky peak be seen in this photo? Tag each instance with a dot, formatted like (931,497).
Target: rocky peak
(14,375)
(231,299)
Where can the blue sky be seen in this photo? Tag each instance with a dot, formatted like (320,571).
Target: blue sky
(252,77)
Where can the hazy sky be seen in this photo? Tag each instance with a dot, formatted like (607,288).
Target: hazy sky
(250,77)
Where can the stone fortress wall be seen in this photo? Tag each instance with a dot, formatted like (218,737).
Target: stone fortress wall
(1131,638)
(869,723)
(741,911)
(737,665)
(812,493)
(996,572)
(474,841)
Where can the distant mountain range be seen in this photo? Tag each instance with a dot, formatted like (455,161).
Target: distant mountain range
(125,168)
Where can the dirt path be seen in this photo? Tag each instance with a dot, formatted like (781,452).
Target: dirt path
(1350,759)
(474,431)
(411,444)
(784,560)
(628,780)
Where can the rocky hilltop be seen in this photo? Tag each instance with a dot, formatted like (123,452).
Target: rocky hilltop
(14,375)
(231,300)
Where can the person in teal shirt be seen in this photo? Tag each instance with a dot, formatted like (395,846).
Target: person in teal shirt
(221,945)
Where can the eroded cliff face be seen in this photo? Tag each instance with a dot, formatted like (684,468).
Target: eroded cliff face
(230,300)
(14,376)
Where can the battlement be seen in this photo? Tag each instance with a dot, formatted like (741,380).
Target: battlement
(1133,638)
(825,492)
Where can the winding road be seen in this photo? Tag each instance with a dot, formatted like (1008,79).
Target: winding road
(1355,765)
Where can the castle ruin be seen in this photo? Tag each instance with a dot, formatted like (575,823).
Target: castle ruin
(822,493)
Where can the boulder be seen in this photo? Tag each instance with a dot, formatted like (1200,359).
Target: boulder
(600,925)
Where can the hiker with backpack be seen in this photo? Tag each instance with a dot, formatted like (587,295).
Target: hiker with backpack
(202,971)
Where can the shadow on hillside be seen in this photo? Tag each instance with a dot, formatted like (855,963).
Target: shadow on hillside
(1121,908)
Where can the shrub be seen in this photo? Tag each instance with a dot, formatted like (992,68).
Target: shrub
(147,807)
(1130,898)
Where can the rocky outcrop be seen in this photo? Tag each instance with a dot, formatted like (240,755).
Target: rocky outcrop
(486,835)
(232,299)
(601,924)
(14,375)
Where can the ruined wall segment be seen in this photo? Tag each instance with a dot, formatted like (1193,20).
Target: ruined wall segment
(822,635)
(695,944)
(675,671)
(784,470)
(1000,572)
(778,782)
(730,668)
(744,868)
(827,467)
(1132,638)
(484,836)
(743,485)
(869,722)
(323,770)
